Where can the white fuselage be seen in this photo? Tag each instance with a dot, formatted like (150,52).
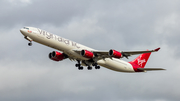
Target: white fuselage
(67,47)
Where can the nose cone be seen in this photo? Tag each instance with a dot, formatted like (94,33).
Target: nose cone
(23,31)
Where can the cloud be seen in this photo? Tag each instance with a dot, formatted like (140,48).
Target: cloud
(19,1)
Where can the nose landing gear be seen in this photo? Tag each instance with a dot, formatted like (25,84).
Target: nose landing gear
(30,44)
(29,39)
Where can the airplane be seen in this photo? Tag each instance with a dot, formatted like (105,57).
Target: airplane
(86,56)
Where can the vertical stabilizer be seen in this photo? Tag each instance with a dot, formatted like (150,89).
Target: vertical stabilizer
(140,61)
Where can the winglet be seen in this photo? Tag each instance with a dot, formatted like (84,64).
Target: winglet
(157,49)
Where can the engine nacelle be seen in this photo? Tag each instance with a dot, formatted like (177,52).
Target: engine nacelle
(57,56)
(87,54)
(115,54)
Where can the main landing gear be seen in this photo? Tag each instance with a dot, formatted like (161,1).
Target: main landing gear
(96,66)
(88,67)
(79,65)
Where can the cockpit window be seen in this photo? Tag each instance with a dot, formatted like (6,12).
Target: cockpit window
(26,28)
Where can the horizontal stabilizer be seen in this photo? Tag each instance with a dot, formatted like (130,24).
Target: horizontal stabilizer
(150,69)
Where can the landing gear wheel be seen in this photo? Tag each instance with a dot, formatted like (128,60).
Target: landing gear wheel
(30,44)
(97,67)
(89,68)
(77,65)
(95,64)
(80,68)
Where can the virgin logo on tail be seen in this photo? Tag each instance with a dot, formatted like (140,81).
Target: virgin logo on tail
(140,62)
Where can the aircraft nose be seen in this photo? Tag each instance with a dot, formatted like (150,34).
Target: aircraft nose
(21,30)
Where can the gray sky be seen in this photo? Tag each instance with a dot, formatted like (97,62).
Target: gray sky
(27,74)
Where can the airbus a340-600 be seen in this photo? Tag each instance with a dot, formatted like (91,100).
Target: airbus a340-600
(86,56)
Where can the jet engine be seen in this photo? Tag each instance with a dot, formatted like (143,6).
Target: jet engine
(115,54)
(57,56)
(87,54)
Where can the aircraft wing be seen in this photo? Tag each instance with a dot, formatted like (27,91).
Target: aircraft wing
(129,53)
(126,53)
(105,54)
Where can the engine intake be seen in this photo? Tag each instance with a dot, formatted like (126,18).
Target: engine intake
(57,56)
(87,54)
(115,54)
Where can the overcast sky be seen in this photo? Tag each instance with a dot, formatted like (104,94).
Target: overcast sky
(27,74)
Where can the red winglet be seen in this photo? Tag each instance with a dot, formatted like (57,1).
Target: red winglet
(157,49)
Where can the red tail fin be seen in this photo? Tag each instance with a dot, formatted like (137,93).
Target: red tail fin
(140,61)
